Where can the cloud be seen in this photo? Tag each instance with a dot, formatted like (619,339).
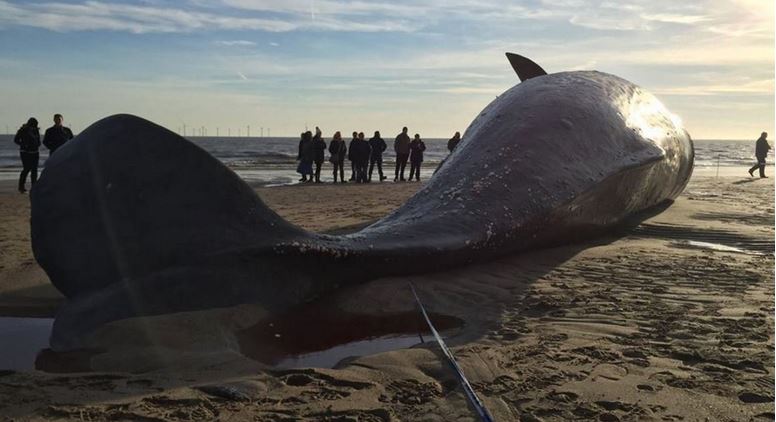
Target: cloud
(327,7)
(676,18)
(239,43)
(92,16)
(610,23)
(370,16)
(95,16)
(757,87)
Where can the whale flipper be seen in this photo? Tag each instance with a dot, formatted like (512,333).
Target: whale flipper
(524,67)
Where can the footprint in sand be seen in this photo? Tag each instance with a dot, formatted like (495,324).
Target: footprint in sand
(648,387)
(412,392)
(562,396)
(609,372)
(750,397)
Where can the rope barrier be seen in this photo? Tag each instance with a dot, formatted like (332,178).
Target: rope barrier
(475,401)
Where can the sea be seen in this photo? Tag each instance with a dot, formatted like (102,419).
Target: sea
(271,161)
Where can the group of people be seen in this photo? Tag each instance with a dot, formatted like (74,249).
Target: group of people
(28,139)
(364,155)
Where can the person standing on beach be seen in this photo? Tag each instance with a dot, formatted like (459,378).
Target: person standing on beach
(453,142)
(362,154)
(402,147)
(28,139)
(416,156)
(319,148)
(352,161)
(338,151)
(305,157)
(56,135)
(760,151)
(378,146)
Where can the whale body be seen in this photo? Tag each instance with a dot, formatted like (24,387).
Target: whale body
(131,219)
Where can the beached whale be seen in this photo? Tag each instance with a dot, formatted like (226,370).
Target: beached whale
(131,219)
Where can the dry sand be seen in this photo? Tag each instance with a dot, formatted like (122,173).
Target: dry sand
(641,325)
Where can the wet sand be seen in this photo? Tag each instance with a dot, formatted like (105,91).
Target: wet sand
(650,323)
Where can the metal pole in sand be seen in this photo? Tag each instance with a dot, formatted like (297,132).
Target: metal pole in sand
(475,401)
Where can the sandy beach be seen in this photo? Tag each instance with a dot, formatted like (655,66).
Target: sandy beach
(669,320)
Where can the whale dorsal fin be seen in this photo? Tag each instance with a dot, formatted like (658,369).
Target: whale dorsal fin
(524,67)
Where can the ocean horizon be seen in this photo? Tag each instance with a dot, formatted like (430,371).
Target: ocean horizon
(272,160)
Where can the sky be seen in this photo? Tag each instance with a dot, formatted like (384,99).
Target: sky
(373,65)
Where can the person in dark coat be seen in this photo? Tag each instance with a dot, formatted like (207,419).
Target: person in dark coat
(56,135)
(338,151)
(360,152)
(402,147)
(28,139)
(319,149)
(760,151)
(378,146)
(352,162)
(305,157)
(453,142)
(416,156)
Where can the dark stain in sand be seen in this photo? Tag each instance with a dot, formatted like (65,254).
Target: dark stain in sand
(315,328)
(48,360)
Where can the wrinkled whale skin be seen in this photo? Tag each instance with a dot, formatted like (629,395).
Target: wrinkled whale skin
(131,219)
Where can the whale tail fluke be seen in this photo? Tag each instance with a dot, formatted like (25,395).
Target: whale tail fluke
(128,197)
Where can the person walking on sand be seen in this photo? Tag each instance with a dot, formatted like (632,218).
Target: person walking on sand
(338,151)
(760,151)
(319,150)
(378,146)
(453,142)
(402,147)
(28,139)
(416,156)
(56,135)
(352,162)
(305,157)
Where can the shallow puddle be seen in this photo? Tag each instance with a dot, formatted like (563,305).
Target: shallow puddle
(311,337)
(694,244)
(317,337)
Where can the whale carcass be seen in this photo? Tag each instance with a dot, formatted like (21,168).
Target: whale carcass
(131,219)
